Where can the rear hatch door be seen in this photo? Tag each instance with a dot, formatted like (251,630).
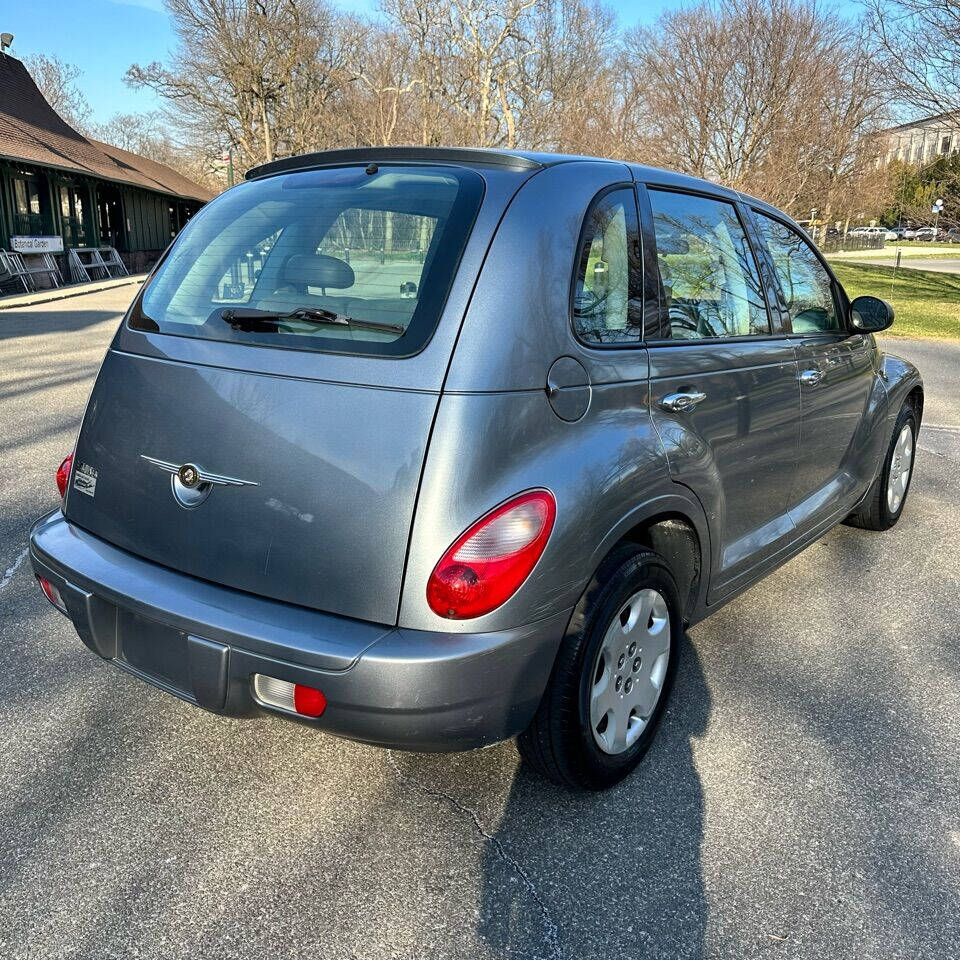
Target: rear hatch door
(308,438)
(323,478)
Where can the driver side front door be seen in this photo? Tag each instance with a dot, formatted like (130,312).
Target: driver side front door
(835,375)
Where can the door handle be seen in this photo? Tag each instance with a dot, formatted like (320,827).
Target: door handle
(679,402)
(810,378)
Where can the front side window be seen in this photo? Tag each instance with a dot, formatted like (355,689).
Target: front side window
(606,299)
(804,283)
(710,284)
(334,259)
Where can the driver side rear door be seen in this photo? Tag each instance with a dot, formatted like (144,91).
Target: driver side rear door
(723,379)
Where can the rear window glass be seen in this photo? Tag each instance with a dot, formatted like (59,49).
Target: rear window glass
(336,259)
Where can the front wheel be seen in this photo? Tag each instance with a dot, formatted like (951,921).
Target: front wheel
(882,506)
(612,676)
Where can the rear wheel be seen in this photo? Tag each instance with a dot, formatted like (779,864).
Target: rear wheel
(612,676)
(882,506)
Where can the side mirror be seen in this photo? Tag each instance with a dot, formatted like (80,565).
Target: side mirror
(870,314)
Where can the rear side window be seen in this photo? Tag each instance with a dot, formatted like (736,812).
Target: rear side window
(805,284)
(710,284)
(333,259)
(607,308)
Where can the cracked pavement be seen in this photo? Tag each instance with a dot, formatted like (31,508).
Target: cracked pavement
(802,799)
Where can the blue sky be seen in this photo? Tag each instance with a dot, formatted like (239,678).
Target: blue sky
(103,37)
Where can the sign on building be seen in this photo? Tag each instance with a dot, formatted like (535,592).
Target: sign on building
(36,244)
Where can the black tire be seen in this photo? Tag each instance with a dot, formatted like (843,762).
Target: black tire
(874,512)
(559,743)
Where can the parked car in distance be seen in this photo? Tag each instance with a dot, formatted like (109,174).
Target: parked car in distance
(926,233)
(952,235)
(436,447)
(903,233)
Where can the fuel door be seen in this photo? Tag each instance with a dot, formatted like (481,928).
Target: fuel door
(568,389)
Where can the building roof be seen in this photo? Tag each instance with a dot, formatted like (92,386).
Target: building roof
(33,132)
(950,118)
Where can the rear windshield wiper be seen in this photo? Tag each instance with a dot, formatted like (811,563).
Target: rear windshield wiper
(268,320)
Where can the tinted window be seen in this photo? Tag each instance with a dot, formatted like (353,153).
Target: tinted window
(709,278)
(379,249)
(805,284)
(606,300)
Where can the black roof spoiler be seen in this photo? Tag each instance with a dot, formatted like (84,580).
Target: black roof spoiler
(306,161)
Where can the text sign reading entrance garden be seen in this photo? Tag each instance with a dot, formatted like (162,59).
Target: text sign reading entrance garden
(37,244)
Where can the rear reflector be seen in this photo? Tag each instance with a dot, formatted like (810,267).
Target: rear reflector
(52,594)
(291,697)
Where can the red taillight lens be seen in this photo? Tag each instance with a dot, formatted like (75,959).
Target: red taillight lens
(52,593)
(486,565)
(308,701)
(63,474)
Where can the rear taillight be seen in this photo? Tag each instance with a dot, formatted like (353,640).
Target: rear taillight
(63,474)
(52,593)
(486,565)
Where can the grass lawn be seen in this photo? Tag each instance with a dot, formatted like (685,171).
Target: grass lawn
(926,304)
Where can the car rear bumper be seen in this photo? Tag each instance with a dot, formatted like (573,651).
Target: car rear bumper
(395,687)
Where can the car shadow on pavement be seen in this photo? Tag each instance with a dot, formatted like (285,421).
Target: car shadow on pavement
(58,318)
(615,874)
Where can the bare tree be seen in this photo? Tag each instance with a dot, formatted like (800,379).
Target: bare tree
(919,43)
(423,27)
(768,96)
(465,76)
(146,135)
(569,92)
(263,76)
(140,133)
(775,97)
(57,82)
(378,111)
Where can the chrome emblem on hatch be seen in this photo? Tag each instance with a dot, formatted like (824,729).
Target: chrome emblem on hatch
(189,475)
(191,485)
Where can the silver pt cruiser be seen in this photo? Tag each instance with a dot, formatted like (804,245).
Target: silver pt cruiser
(435,447)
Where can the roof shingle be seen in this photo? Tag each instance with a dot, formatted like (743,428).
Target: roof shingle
(33,132)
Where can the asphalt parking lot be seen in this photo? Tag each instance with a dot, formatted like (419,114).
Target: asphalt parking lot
(802,799)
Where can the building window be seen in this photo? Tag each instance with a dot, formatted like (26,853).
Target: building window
(27,212)
(945,143)
(75,216)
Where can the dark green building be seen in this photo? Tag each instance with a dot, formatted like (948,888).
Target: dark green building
(54,182)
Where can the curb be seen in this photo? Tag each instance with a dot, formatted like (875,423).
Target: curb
(63,293)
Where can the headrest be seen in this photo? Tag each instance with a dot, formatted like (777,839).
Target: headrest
(318,270)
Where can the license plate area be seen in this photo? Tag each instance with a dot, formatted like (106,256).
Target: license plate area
(154,649)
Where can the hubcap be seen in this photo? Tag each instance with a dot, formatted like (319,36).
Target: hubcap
(629,671)
(900,469)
